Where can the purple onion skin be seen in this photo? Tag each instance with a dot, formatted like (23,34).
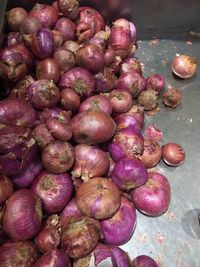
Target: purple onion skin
(55,190)
(127,121)
(13,38)
(144,261)
(129,174)
(123,222)
(70,211)
(67,28)
(155,82)
(54,258)
(22,253)
(6,189)
(106,80)
(133,82)
(120,256)
(130,64)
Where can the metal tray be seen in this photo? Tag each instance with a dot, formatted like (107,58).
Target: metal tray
(165,28)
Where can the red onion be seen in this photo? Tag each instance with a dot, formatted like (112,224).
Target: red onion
(100,39)
(64,58)
(22,253)
(137,112)
(90,22)
(13,38)
(99,102)
(71,46)
(25,223)
(55,190)
(43,94)
(133,82)
(121,101)
(122,24)
(128,142)
(70,212)
(15,17)
(125,120)
(58,157)
(54,258)
(80,237)
(144,260)
(26,177)
(152,153)
(89,162)
(131,64)
(152,198)
(109,56)
(58,39)
(129,173)
(90,57)
(184,66)
(55,4)
(42,135)
(123,222)
(78,79)
(172,97)
(67,28)
(133,32)
(56,112)
(30,25)
(105,80)
(70,100)
(96,195)
(6,188)
(153,132)
(148,99)
(69,8)
(155,82)
(46,14)
(92,127)
(120,39)
(25,52)
(173,154)
(111,166)
(48,69)
(20,89)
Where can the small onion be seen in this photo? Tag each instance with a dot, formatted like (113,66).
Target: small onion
(173,154)
(42,135)
(69,8)
(121,101)
(155,82)
(67,28)
(15,17)
(6,188)
(48,69)
(71,46)
(30,25)
(152,153)
(70,212)
(130,64)
(144,260)
(148,99)
(25,52)
(64,58)
(70,100)
(172,97)
(125,120)
(184,66)
(96,195)
(120,39)
(105,80)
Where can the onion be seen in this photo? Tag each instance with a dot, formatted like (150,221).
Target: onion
(71,46)
(121,101)
(122,24)
(129,173)
(55,190)
(80,237)
(64,58)
(109,56)
(42,135)
(100,39)
(78,79)
(152,153)
(25,223)
(69,8)
(184,66)
(43,94)
(172,97)
(111,166)
(67,28)
(13,38)
(46,14)
(6,188)
(70,212)
(131,64)
(90,57)
(99,102)
(96,195)
(153,132)
(48,69)
(120,39)
(58,39)
(105,80)
(54,258)
(89,162)
(137,112)
(148,99)
(128,142)
(173,154)
(92,127)
(133,82)
(25,52)
(70,100)
(144,260)
(56,112)
(125,120)
(58,157)
(152,198)
(22,253)
(30,25)
(20,89)
(15,17)
(155,82)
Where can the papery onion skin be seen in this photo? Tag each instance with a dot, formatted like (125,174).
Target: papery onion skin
(30,25)
(58,157)
(70,100)
(48,69)
(25,52)
(58,39)
(184,66)
(137,112)
(15,17)
(148,99)
(106,80)
(129,173)
(144,260)
(70,212)
(173,154)
(92,127)
(20,89)
(69,8)
(121,101)
(26,223)
(172,97)
(42,135)
(6,188)
(153,132)
(96,195)
(13,38)
(67,28)
(152,198)
(155,82)
(21,253)
(130,64)
(123,222)
(65,59)
(71,46)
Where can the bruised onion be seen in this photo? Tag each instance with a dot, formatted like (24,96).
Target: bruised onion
(70,100)
(172,97)
(152,153)
(71,46)
(143,260)
(30,25)
(48,69)
(94,196)
(130,64)
(42,135)
(92,127)
(173,154)
(58,157)
(70,212)
(64,58)
(105,80)
(25,223)
(152,198)
(54,190)
(6,188)
(155,82)
(53,258)
(67,28)
(68,8)
(148,99)
(121,101)
(15,17)
(184,66)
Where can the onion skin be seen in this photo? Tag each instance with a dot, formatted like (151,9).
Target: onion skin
(58,157)
(55,190)
(42,135)
(127,121)
(152,153)
(13,38)
(71,46)
(70,100)
(30,25)
(173,154)
(96,195)
(148,99)
(20,89)
(106,80)
(120,39)
(69,8)
(184,66)
(70,212)
(172,97)
(15,17)
(26,223)
(25,52)
(64,58)
(129,174)
(6,188)
(92,127)
(144,260)
(58,39)
(121,101)
(48,69)
(67,28)
(22,253)
(152,198)
(155,82)
(123,222)
(153,132)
